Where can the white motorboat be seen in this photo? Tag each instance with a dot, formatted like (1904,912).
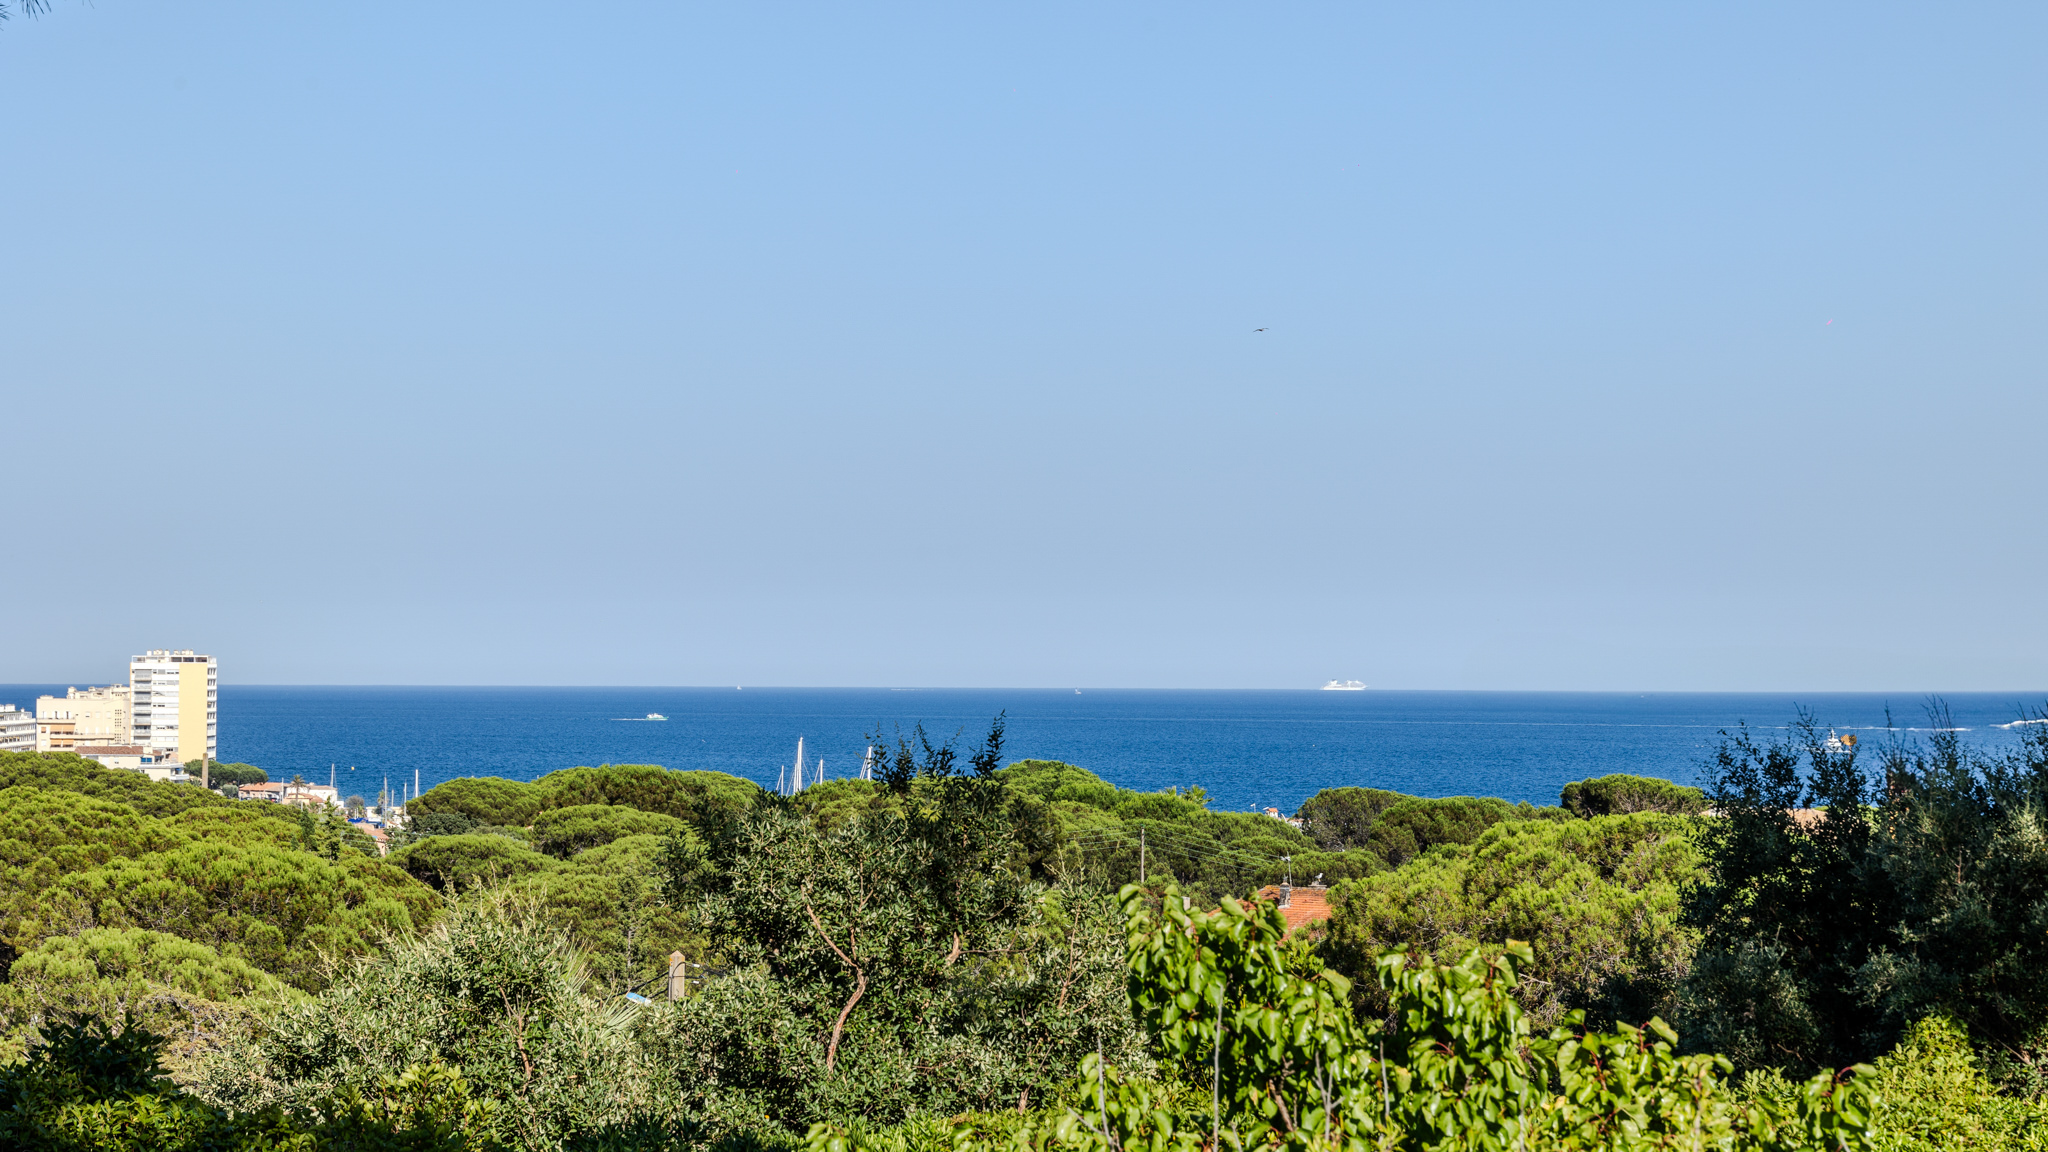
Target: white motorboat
(1345,686)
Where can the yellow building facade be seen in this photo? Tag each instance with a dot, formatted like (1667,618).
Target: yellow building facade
(89,716)
(175,709)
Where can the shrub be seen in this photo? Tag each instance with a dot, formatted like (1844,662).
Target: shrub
(489,991)
(1257,1051)
(1933,1097)
(91,1086)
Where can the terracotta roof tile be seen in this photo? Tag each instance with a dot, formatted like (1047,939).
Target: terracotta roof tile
(1305,905)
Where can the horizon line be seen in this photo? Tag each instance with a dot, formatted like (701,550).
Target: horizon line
(1083,688)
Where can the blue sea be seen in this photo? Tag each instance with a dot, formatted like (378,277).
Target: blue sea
(1248,749)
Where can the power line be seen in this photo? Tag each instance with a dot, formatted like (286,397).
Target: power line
(1178,842)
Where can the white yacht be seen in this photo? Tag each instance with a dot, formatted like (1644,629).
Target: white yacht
(656,716)
(1345,686)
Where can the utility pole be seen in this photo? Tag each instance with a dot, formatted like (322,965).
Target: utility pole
(1141,855)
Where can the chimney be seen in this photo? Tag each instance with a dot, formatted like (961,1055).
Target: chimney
(1286,895)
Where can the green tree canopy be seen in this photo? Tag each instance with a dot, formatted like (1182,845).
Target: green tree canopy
(67,772)
(1342,818)
(1842,908)
(459,863)
(1619,794)
(218,774)
(483,799)
(563,832)
(171,985)
(1598,901)
(1406,830)
(693,797)
(689,796)
(489,990)
(900,960)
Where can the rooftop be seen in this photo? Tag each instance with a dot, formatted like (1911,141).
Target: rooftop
(1301,905)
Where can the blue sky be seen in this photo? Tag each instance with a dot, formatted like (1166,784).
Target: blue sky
(1607,346)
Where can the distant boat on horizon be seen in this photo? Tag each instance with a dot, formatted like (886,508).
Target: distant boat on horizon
(641,719)
(1344,686)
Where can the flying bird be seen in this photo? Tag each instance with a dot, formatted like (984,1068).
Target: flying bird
(1262,329)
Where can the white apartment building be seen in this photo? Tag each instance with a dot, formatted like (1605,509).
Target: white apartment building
(77,718)
(133,758)
(17,729)
(176,703)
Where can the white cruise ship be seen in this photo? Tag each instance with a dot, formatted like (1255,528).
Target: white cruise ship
(1344,686)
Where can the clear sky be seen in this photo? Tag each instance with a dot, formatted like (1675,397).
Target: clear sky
(1630,346)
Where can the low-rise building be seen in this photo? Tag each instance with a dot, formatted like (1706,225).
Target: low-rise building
(272,791)
(17,729)
(133,758)
(312,795)
(382,838)
(90,716)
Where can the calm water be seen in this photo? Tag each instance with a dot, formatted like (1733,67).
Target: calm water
(1248,749)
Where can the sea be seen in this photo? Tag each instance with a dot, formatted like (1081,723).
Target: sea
(1247,750)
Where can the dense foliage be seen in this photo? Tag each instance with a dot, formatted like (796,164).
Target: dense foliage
(218,774)
(1256,1048)
(488,990)
(1599,901)
(902,957)
(1618,795)
(1845,904)
(934,960)
(692,797)
(119,893)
